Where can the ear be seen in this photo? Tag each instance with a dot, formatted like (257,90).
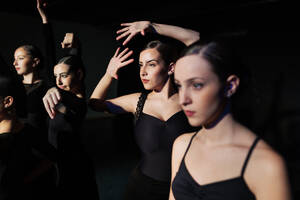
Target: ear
(8,101)
(171,68)
(36,61)
(232,84)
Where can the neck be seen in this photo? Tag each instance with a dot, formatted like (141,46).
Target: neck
(9,124)
(167,90)
(221,128)
(30,78)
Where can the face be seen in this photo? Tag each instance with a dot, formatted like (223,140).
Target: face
(23,62)
(153,71)
(199,89)
(65,79)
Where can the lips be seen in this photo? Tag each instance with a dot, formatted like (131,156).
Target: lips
(17,68)
(189,113)
(61,87)
(145,80)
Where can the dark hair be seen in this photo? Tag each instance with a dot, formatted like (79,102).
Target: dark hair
(220,54)
(10,86)
(75,63)
(167,52)
(226,60)
(34,52)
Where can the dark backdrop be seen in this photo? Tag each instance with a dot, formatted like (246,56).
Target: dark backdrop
(268,39)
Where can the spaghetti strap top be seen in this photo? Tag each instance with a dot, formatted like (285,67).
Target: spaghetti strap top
(184,187)
(155,138)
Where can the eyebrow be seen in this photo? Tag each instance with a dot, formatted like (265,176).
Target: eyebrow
(151,61)
(191,79)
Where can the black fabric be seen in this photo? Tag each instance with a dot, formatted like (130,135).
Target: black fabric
(36,113)
(18,159)
(184,187)
(155,139)
(143,187)
(76,172)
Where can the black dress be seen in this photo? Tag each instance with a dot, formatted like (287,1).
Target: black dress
(19,157)
(76,172)
(185,187)
(151,177)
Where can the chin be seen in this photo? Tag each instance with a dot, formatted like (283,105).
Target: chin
(195,122)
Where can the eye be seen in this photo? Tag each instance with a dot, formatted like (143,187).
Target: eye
(197,85)
(177,85)
(64,75)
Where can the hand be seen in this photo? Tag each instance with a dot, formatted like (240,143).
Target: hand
(118,61)
(69,41)
(131,29)
(50,100)
(41,8)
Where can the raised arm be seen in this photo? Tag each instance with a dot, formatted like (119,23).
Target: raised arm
(41,8)
(98,100)
(129,30)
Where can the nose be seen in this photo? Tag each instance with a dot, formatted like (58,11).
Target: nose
(58,80)
(184,97)
(143,71)
(15,63)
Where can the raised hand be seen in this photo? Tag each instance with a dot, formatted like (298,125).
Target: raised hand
(50,100)
(41,8)
(69,41)
(131,29)
(117,61)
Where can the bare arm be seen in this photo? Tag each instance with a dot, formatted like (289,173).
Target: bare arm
(267,177)
(98,100)
(41,8)
(187,36)
(178,150)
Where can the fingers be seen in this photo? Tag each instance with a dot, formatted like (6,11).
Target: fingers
(127,62)
(123,35)
(117,52)
(126,24)
(123,30)
(122,53)
(128,39)
(51,99)
(48,108)
(126,55)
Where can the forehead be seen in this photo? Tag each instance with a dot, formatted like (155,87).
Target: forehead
(193,66)
(20,51)
(61,68)
(149,54)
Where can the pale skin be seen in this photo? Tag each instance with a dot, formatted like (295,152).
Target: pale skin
(162,95)
(65,80)
(157,74)
(25,66)
(218,152)
(187,36)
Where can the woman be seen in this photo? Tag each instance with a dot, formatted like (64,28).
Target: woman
(67,108)
(223,160)
(20,162)
(159,118)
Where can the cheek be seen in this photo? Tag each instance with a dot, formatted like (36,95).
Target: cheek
(207,104)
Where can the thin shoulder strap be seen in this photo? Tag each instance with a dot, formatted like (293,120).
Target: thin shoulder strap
(249,154)
(140,105)
(189,145)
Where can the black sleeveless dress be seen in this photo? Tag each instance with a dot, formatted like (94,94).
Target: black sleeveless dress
(151,178)
(184,187)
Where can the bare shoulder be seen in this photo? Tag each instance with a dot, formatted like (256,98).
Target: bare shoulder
(126,102)
(267,159)
(181,143)
(266,173)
